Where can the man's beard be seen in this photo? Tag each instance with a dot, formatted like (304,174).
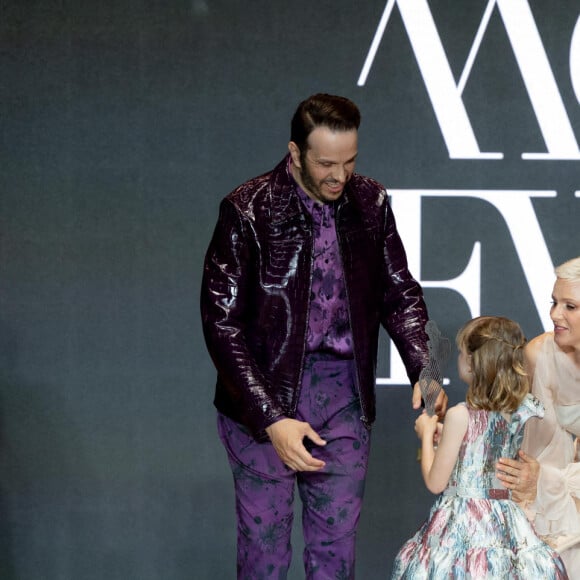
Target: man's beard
(309,182)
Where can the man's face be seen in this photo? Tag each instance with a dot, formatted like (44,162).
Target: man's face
(323,170)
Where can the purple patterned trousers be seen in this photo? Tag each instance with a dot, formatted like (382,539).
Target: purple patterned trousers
(331,498)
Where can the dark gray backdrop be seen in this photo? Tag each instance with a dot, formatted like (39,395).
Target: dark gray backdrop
(123,124)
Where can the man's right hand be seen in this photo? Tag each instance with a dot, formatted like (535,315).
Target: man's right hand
(287,436)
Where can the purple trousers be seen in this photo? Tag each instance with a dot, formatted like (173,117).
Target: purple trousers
(331,498)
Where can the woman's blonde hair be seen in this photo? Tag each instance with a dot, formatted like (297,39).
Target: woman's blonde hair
(569,270)
(495,347)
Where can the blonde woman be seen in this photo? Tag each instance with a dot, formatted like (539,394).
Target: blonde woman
(546,478)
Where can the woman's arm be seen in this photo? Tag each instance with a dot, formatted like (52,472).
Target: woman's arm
(531,351)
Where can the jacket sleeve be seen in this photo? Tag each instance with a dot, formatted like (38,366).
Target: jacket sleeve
(227,280)
(404,314)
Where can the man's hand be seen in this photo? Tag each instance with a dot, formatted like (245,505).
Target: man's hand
(440,403)
(287,436)
(519,475)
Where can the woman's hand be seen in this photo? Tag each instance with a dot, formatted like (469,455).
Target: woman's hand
(520,475)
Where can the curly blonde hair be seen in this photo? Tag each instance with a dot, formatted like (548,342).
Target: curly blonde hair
(495,346)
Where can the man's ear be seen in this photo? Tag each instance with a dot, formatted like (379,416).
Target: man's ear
(295,154)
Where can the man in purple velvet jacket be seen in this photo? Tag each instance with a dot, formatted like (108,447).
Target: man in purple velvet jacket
(304,266)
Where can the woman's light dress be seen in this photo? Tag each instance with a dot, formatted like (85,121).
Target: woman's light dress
(552,441)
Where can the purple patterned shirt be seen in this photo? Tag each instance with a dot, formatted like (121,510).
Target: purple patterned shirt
(328,323)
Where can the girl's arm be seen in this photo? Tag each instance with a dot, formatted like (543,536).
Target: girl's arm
(437,467)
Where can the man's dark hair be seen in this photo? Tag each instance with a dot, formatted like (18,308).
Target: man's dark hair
(322,110)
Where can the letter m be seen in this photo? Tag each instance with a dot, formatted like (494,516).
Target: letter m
(446,94)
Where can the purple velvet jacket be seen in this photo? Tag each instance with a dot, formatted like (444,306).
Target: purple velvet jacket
(256,289)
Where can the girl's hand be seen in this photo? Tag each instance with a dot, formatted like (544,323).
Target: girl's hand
(426,426)
(437,435)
